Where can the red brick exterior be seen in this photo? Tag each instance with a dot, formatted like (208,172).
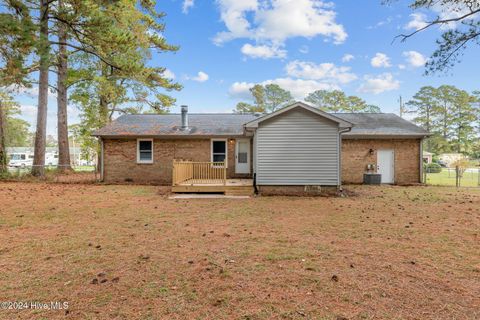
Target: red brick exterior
(120,159)
(356,156)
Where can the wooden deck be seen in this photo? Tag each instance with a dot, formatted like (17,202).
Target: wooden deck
(207,177)
(238,187)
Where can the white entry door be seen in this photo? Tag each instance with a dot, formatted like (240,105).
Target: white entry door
(385,165)
(242,156)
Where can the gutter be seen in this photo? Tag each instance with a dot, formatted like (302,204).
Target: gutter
(421,162)
(101,160)
(340,154)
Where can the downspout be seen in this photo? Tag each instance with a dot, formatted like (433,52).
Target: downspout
(255,187)
(340,155)
(102,154)
(421,161)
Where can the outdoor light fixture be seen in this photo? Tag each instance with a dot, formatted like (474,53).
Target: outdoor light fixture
(232,140)
(371,151)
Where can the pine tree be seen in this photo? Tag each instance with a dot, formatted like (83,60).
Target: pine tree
(425,106)
(338,101)
(266,98)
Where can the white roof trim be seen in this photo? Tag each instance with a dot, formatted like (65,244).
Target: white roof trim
(342,123)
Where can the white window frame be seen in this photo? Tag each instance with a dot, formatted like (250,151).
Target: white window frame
(226,150)
(138,152)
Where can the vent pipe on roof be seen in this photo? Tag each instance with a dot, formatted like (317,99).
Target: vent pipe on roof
(184,117)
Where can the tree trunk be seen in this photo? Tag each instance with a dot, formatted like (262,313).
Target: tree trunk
(62,119)
(103,115)
(41,132)
(3,151)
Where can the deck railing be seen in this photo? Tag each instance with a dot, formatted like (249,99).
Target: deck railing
(189,172)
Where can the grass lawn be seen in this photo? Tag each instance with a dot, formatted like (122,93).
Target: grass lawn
(444,178)
(127,252)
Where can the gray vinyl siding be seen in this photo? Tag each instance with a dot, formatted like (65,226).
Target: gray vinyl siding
(297,148)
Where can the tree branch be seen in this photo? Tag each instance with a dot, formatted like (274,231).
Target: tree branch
(86,51)
(404,37)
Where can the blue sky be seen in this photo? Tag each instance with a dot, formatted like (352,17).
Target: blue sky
(226,46)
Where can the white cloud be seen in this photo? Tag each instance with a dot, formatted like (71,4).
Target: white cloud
(274,21)
(381,60)
(241,90)
(233,14)
(304,49)
(28,111)
(299,88)
(415,59)
(348,57)
(323,71)
(263,51)
(187,5)
(302,78)
(388,20)
(378,84)
(200,77)
(402,66)
(417,21)
(169,74)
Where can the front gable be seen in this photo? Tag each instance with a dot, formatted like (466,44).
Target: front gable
(314,112)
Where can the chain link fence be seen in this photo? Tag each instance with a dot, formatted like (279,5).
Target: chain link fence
(54,173)
(459,177)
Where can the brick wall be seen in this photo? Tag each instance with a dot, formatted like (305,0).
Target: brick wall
(120,162)
(120,159)
(356,156)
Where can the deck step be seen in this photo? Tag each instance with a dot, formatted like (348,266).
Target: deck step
(239,193)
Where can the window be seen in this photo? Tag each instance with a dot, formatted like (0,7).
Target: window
(144,151)
(17,156)
(219,151)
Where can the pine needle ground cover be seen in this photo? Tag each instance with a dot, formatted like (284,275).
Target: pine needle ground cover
(128,252)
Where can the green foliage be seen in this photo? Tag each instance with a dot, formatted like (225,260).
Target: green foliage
(126,83)
(450,114)
(276,97)
(17,42)
(16,130)
(243,107)
(338,101)
(267,98)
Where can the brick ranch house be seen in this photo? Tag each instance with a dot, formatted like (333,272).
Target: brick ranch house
(295,149)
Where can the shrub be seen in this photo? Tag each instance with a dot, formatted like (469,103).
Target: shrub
(433,168)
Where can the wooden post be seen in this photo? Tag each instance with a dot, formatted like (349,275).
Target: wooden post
(457,176)
(478,177)
(224,173)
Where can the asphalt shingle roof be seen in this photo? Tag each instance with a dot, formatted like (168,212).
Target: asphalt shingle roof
(365,124)
(200,124)
(380,124)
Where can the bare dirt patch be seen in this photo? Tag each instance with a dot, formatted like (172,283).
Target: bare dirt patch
(127,252)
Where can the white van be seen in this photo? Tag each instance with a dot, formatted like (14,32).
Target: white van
(51,159)
(21,160)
